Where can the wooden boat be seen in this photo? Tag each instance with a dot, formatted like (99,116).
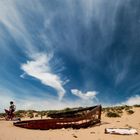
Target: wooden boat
(87,117)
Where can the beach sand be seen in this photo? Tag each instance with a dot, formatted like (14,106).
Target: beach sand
(10,132)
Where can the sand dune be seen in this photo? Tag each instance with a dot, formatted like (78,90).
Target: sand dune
(10,132)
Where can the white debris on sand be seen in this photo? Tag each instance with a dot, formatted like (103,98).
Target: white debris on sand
(121,131)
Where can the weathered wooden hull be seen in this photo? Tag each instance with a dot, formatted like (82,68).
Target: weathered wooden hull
(53,124)
(92,117)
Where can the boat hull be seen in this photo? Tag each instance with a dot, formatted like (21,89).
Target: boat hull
(89,118)
(46,124)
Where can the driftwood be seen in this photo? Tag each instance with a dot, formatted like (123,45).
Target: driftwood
(88,117)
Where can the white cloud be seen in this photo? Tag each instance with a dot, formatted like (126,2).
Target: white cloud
(132,100)
(85,96)
(40,69)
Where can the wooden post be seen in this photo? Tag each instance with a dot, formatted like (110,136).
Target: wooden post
(100,112)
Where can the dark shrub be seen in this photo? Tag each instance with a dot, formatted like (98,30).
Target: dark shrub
(42,113)
(130,112)
(36,115)
(2,115)
(31,115)
(18,114)
(136,105)
(112,114)
(127,107)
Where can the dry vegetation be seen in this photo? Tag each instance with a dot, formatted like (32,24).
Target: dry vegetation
(116,111)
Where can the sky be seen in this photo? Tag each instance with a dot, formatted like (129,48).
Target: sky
(69,53)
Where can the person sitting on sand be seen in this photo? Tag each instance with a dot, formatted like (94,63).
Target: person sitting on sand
(10,112)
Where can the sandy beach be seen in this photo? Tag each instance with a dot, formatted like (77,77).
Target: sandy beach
(10,132)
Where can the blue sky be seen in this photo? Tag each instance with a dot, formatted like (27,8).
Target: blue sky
(56,54)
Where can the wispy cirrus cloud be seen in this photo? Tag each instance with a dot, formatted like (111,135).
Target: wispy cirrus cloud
(30,31)
(89,95)
(19,26)
(120,67)
(12,20)
(40,69)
